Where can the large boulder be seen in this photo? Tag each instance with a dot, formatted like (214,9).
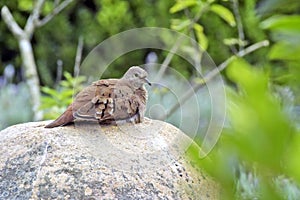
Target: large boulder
(88,161)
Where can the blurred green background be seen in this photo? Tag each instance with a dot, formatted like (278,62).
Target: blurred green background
(257,154)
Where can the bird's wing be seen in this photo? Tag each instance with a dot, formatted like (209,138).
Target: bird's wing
(82,101)
(106,100)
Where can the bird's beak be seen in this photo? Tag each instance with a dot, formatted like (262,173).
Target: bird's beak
(147,81)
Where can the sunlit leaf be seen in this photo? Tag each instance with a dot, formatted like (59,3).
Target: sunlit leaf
(224,13)
(292,160)
(67,94)
(180,5)
(282,23)
(25,5)
(49,100)
(66,83)
(234,41)
(56,101)
(68,76)
(49,91)
(48,7)
(263,129)
(285,51)
(203,41)
(178,24)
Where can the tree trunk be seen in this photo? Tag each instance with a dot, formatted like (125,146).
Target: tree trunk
(31,75)
(25,46)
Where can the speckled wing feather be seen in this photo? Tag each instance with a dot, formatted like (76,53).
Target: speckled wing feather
(113,100)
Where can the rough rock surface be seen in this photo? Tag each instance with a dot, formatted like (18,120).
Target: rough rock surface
(86,161)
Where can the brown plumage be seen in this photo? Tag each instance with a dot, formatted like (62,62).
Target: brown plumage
(110,100)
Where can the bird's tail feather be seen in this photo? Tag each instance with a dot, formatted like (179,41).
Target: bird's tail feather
(64,119)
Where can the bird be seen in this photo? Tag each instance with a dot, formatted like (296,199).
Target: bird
(109,100)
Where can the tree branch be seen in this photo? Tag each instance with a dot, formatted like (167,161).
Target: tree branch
(54,12)
(212,74)
(168,59)
(78,56)
(198,54)
(33,18)
(11,23)
(239,23)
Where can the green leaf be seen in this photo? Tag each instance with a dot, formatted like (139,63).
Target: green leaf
(262,127)
(178,24)
(293,161)
(240,72)
(203,41)
(48,7)
(67,94)
(285,51)
(56,101)
(49,100)
(68,76)
(66,84)
(282,23)
(224,13)
(49,91)
(25,5)
(180,5)
(234,41)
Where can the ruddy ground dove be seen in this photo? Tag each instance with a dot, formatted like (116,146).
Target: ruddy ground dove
(109,100)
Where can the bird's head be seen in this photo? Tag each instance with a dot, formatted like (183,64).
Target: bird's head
(136,76)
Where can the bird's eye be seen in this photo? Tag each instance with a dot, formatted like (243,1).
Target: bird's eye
(136,75)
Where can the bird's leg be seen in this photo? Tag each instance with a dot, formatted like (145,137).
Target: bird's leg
(141,111)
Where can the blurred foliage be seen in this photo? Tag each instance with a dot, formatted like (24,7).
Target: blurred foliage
(259,151)
(55,101)
(256,154)
(94,20)
(15,105)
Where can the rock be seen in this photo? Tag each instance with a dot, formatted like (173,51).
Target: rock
(86,161)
